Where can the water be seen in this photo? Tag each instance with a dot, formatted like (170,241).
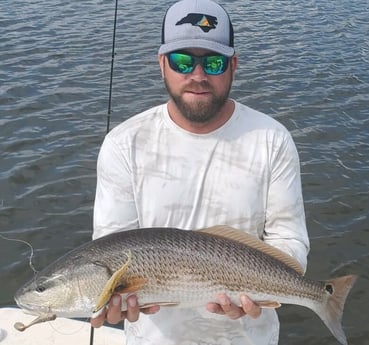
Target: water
(305,63)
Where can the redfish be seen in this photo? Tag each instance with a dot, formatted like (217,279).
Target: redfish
(179,268)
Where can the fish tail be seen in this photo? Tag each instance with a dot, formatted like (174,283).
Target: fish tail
(331,310)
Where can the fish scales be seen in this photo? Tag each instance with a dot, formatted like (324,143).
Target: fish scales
(206,258)
(186,268)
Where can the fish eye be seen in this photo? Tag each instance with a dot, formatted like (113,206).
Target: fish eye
(40,288)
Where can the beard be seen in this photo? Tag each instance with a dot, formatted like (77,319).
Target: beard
(199,111)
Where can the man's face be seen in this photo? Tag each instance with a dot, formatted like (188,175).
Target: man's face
(199,97)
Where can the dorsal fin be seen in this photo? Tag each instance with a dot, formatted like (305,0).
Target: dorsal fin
(254,242)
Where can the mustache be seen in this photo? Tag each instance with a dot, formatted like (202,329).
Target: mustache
(203,85)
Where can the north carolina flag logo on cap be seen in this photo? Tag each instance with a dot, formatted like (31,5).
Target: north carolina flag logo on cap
(203,21)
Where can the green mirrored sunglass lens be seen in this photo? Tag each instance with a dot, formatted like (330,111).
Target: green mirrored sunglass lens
(182,63)
(214,65)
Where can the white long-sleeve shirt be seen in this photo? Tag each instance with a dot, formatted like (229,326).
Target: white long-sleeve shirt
(245,174)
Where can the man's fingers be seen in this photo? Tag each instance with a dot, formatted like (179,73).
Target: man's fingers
(249,307)
(225,306)
(98,321)
(215,308)
(114,314)
(150,310)
(230,309)
(133,311)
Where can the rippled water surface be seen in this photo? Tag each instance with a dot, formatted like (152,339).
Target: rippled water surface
(306,63)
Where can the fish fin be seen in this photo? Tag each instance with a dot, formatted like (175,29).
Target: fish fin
(131,285)
(111,285)
(165,304)
(254,242)
(268,304)
(331,310)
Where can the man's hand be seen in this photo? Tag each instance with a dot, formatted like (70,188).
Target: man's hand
(114,314)
(226,307)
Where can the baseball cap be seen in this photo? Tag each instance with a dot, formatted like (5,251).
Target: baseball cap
(197,24)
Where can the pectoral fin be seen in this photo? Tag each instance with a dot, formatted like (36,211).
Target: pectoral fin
(112,285)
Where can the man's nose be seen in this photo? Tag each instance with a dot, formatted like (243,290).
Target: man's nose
(198,73)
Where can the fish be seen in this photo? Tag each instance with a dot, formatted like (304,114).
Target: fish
(179,268)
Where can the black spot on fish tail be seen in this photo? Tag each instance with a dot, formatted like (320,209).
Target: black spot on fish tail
(329,289)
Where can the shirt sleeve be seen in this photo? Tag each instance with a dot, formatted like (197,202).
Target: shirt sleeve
(114,207)
(285,226)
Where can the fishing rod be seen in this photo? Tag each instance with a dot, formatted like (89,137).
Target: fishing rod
(112,68)
(92,329)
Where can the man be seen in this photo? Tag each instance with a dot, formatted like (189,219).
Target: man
(201,159)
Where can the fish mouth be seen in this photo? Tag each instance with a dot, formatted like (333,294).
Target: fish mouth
(32,309)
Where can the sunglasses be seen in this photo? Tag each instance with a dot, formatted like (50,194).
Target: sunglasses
(186,63)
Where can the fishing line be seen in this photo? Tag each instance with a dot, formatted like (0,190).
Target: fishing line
(54,325)
(24,242)
(92,329)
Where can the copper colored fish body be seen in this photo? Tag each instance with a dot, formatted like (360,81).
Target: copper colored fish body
(182,268)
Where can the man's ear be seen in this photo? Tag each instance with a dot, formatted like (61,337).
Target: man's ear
(234,62)
(161,59)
